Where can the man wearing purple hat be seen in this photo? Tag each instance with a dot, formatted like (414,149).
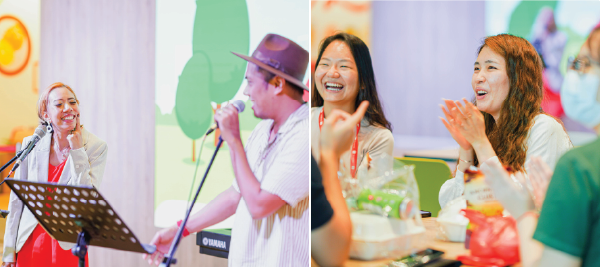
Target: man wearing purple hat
(270,192)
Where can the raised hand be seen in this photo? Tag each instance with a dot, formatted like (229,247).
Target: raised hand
(339,130)
(513,195)
(451,117)
(469,122)
(74,138)
(229,124)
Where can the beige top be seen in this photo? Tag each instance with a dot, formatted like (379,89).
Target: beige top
(375,140)
(281,166)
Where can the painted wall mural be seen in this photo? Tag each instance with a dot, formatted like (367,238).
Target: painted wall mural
(15,45)
(212,74)
(19,57)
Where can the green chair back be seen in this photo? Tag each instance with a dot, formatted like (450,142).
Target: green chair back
(430,175)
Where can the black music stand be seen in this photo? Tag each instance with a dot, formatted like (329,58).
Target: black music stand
(77,214)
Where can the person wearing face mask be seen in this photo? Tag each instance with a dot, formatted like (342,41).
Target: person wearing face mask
(344,78)
(567,232)
(506,120)
(68,154)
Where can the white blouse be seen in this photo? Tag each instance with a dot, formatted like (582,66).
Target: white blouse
(546,139)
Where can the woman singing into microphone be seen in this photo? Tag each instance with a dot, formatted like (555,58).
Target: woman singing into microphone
(68,154)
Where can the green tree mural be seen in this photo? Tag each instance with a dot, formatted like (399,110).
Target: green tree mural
(220,28)
(212,73)
(192,101)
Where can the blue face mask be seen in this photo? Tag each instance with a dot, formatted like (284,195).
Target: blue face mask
(579,98)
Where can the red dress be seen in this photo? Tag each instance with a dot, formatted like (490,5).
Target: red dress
(40,250)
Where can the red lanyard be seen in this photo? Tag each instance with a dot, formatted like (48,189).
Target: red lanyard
(354,155)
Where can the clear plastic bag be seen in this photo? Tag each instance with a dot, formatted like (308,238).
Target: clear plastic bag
(383,176)
(384,200)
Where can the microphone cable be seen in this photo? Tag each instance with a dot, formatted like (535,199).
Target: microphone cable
(195,172)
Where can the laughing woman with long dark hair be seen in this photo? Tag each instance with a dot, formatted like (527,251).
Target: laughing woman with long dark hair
(344,78)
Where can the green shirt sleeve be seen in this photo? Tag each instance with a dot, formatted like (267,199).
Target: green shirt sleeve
(567,215)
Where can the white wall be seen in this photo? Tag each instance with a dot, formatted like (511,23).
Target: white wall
(105,50)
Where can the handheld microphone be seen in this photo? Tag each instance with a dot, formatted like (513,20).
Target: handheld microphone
(40,132)
(238,104)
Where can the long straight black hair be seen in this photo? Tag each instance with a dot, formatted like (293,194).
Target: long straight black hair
(366,78)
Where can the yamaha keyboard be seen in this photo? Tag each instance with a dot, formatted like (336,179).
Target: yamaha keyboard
(214,242)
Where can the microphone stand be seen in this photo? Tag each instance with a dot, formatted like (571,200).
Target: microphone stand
(169,258)
(12,160)
(5,213)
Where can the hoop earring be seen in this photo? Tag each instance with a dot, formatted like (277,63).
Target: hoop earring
(49,127)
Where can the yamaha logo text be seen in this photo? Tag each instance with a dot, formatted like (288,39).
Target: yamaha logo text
(214,243)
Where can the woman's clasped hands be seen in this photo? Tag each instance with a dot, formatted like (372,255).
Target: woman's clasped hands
(464,122)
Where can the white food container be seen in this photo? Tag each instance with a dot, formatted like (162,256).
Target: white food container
(451,230)
(376,237)
(451,224)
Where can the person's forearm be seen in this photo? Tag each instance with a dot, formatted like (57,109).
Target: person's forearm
(484,150)
(217,210)
(257,201)
(466,159)
(530,249)
(339,229)
(333,189)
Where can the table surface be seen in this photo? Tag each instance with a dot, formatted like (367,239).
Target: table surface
(451,249)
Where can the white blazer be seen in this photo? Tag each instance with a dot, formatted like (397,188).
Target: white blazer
(84,166)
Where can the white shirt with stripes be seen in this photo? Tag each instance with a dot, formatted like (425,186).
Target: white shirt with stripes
(281,167)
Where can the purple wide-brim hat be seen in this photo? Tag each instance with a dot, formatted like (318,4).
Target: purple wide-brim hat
(282,57)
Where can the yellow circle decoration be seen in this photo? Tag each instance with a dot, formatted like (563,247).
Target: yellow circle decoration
(7,53)
(15,36)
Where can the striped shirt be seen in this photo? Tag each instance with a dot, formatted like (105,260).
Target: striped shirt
(281,167)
